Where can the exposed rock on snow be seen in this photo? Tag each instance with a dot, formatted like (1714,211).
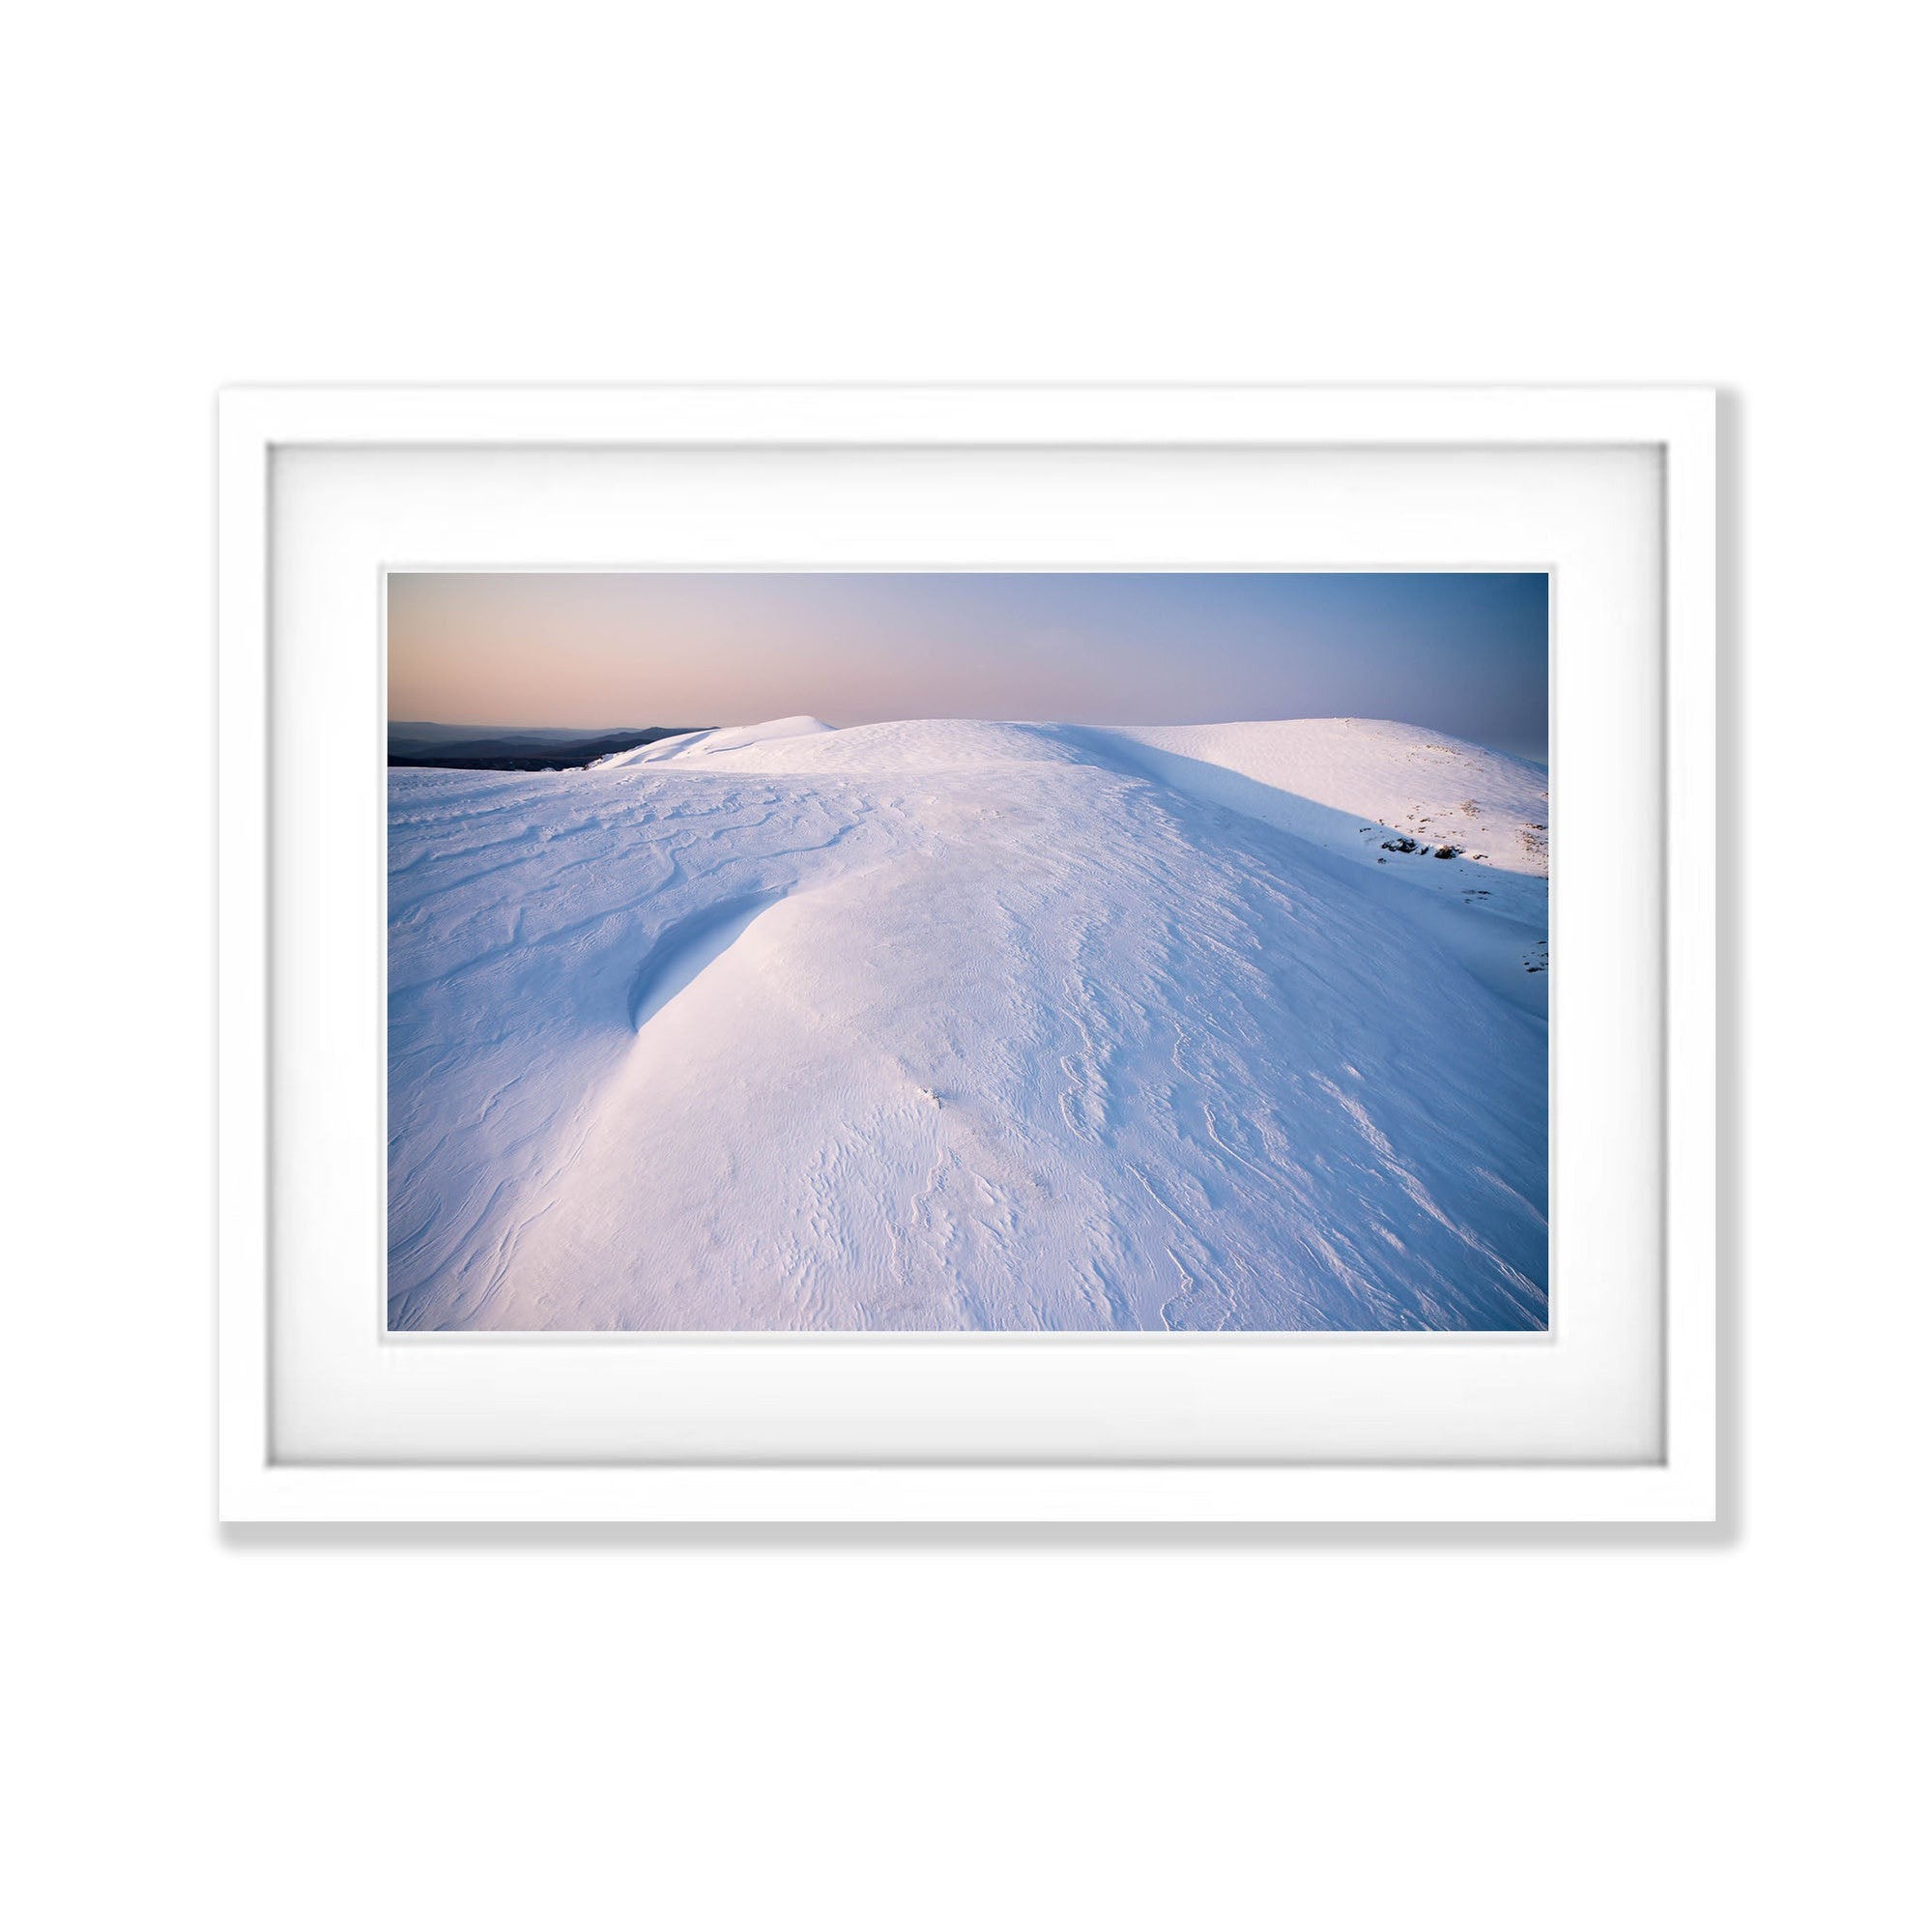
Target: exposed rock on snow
(954,1024)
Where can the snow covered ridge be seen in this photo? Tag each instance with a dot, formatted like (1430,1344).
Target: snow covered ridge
(1439,790)
(949,1024)
(691,745)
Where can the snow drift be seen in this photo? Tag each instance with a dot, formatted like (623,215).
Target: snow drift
(953,1025)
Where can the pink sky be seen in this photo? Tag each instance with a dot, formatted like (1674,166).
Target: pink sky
(1466,653)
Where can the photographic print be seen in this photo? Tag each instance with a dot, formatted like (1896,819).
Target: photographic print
(1138,952)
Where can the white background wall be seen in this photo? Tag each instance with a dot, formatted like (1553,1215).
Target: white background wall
(420,1729)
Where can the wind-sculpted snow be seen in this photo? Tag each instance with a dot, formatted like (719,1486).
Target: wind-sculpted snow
(947,1024)
(687,746)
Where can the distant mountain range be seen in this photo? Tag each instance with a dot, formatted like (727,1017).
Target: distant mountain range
(496,749)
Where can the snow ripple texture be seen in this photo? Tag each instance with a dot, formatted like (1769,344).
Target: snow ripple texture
(956,1026)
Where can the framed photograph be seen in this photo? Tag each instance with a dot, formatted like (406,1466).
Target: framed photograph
(967,955)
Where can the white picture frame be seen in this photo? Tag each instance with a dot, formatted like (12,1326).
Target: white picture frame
(1676,1481)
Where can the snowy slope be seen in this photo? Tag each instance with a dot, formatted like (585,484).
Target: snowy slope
(1466,827)
(1381,778)
(950,1024)
(688,746)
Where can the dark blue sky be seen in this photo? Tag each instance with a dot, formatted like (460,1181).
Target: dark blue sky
(1464,653)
